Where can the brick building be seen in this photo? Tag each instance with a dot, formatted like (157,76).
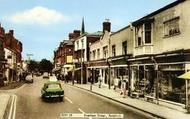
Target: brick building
(13,50)
(63,56)
(2,54)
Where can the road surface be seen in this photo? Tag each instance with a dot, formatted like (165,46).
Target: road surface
(29,104)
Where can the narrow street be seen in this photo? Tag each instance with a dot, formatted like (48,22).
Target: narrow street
(29,104)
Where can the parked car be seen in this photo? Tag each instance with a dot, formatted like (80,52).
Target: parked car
(46,75)
(52,89)
(29,79)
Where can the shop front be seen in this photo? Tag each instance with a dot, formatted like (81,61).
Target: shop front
(98,70)
(119,71)
(157,77)
(172,88)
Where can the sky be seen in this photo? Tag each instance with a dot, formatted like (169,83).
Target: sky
(42,24)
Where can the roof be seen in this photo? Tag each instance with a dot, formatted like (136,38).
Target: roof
(98,33)
(158,11)
(52,82)
(120,30)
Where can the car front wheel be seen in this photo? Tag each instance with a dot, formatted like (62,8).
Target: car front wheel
(61,99)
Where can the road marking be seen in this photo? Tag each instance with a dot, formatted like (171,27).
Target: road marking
(14,113)
(68,100)
(11,108)
(81,110)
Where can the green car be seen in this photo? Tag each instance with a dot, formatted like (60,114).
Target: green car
(52,89)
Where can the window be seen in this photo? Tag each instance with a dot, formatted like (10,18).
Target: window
(139,41)
(91,56)
(77,44)
(139,35)
(1,45)
(82,43)
(124,48)
(147,33)
(113,51)
(94,54)
(171,27)
(98,53)
(105,52)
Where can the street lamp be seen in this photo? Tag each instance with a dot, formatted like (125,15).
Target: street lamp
(157,86)
(82,61)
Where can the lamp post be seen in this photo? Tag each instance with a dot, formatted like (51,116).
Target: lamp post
(157,86)
(82,61)
(109,73)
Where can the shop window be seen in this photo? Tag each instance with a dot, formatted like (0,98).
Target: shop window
(141,72)
(172,88)
(171,27)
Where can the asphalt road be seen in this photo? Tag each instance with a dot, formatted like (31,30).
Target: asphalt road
(29,104)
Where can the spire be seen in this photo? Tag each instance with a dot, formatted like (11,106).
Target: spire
(82,28)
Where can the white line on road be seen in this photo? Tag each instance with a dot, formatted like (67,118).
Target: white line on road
(14,111)
(11,108)
(68,100)
(81,110)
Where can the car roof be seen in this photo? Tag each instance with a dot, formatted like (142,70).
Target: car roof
(52,82)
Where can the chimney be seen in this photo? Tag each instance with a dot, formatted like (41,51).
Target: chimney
(11,32)
(75,34)
(106,25)
(71,36)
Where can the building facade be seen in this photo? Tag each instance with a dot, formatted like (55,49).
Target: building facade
(13,50)
(2,55)
(99,54)
(82,54)
(121,49)
(161,52)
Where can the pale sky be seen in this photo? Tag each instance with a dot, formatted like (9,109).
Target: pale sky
(42,24)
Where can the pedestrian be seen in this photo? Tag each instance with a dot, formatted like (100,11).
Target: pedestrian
(99,81)
(123,87)
(116,83)
(67,78)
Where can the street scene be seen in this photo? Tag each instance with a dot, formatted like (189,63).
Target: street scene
(95,59)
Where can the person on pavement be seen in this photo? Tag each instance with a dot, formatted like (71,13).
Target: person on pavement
(116,82)
(99,81)
(123,87)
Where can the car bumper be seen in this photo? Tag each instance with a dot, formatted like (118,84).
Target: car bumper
(53,96)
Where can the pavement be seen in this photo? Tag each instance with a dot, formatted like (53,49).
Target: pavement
(161,110)
(4,98)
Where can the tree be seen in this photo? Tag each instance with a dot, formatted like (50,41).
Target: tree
(45,65)
(33,66)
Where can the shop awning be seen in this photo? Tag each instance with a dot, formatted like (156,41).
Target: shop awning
(185,76)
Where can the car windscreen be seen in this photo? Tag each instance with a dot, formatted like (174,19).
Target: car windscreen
(53,86)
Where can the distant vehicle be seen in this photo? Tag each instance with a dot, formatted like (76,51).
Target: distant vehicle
(46,75)
(52,89)
(29,79)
